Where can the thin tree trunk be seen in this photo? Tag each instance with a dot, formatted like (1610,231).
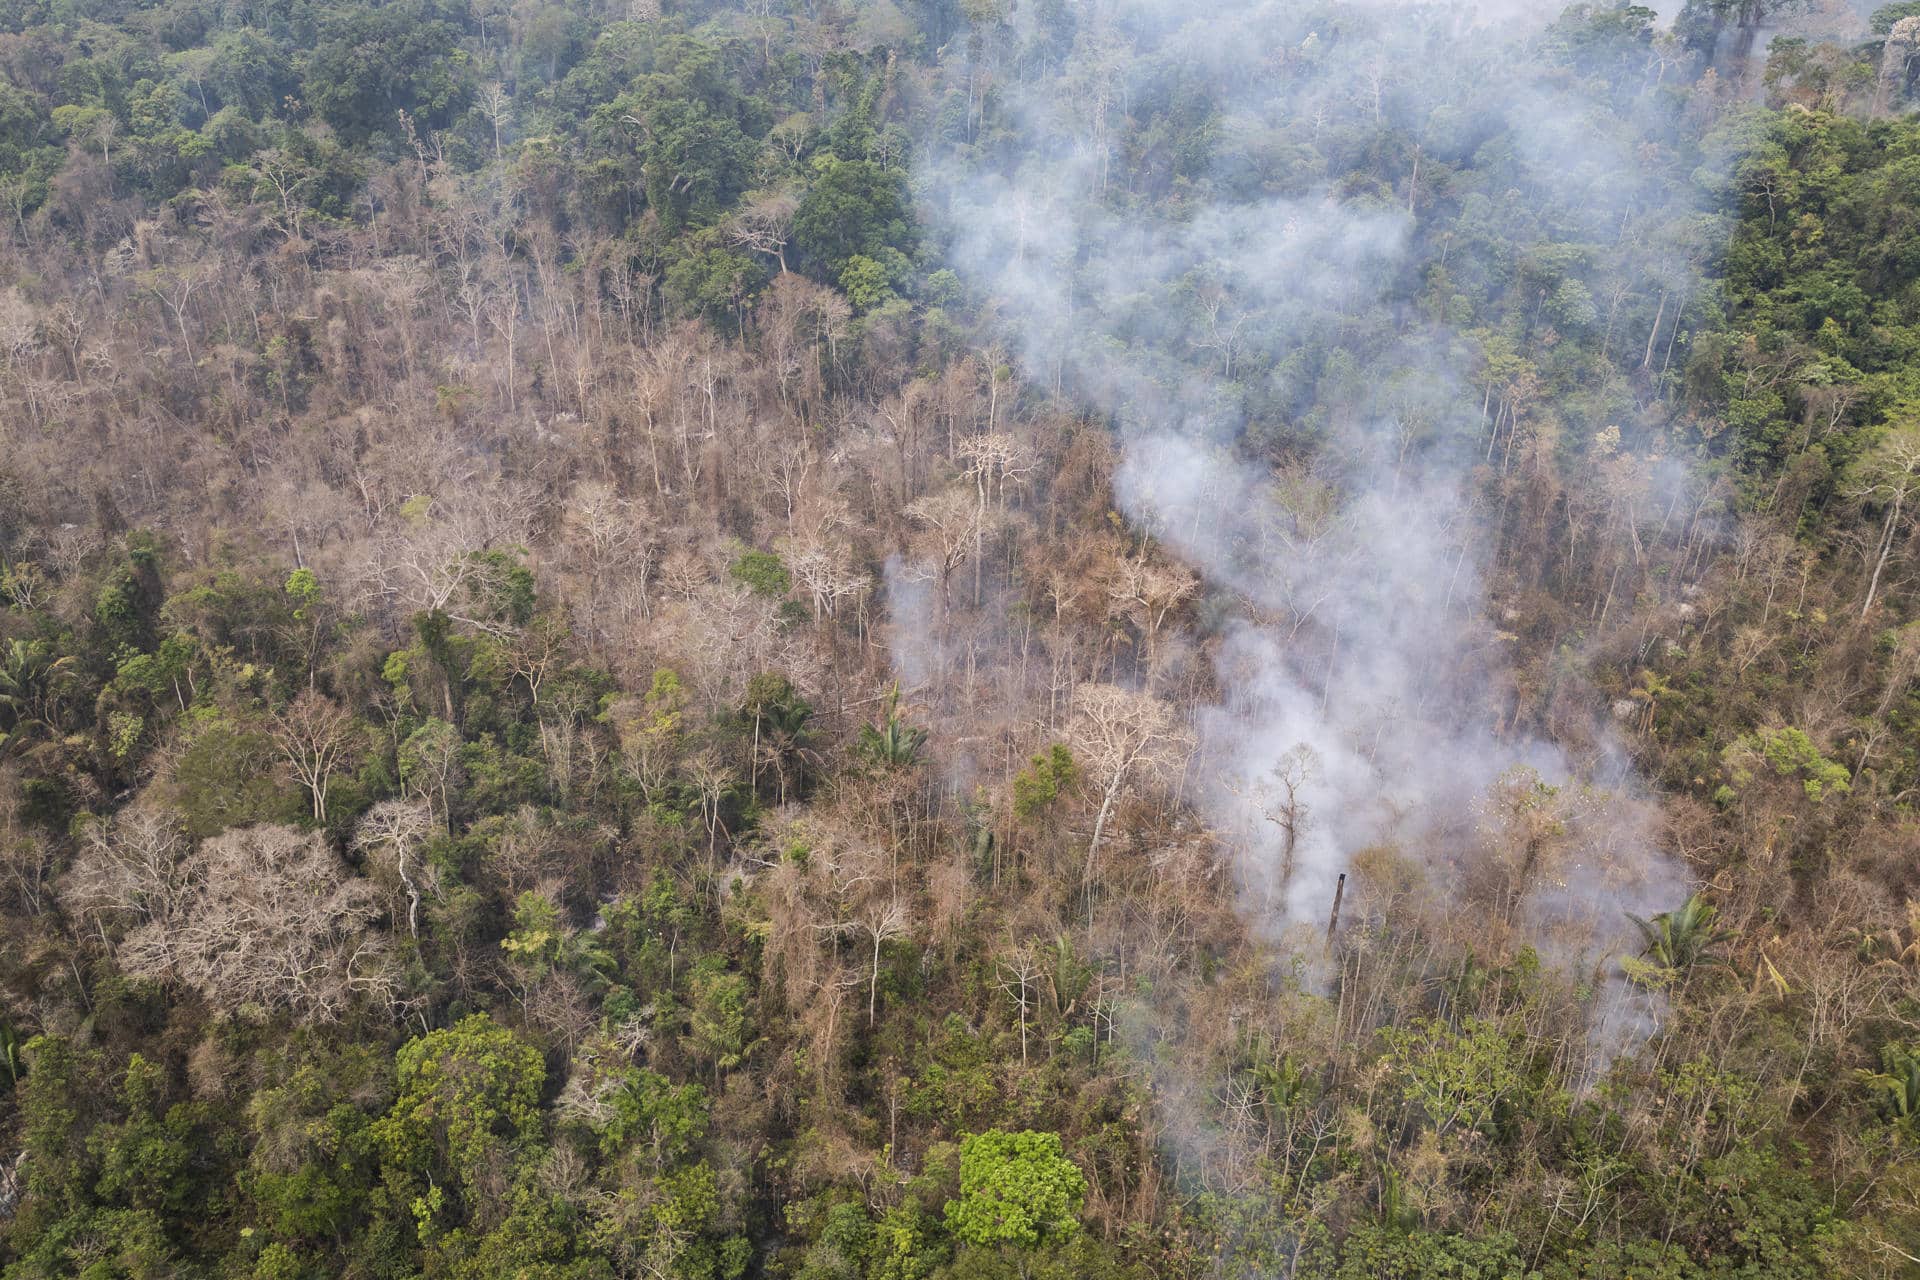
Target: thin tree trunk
(1646,362)
(1886,550)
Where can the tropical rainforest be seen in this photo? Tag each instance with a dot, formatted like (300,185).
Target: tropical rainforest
(929,640)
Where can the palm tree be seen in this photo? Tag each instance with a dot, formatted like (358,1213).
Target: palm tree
(1901,1083)
(1397,1211)
(1678,940)
(1282,1085)
(781,736)
(1068,975)
(1648,693)
(895,744)
(27,673)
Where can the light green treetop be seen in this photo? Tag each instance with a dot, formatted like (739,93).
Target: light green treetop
(1016,1188)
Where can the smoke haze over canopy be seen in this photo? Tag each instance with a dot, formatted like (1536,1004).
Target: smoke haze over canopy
(1265,318)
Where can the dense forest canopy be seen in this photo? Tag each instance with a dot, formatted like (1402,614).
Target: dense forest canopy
(912,641)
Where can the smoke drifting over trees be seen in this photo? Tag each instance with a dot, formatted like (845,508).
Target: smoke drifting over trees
(1360,677)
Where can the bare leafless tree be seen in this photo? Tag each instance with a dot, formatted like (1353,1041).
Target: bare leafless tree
(1277,798)
(952,521)
(1020,972)
(1122,737)
(882,921)
(316,736)
(129,872)
(764,224)
(397,831)
(263,915)
(1888,477)
(497,106)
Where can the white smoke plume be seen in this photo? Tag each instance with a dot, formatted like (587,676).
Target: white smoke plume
(1361,687)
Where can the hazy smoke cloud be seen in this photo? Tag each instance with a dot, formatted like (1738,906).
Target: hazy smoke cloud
(913,634)
(1359,691)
